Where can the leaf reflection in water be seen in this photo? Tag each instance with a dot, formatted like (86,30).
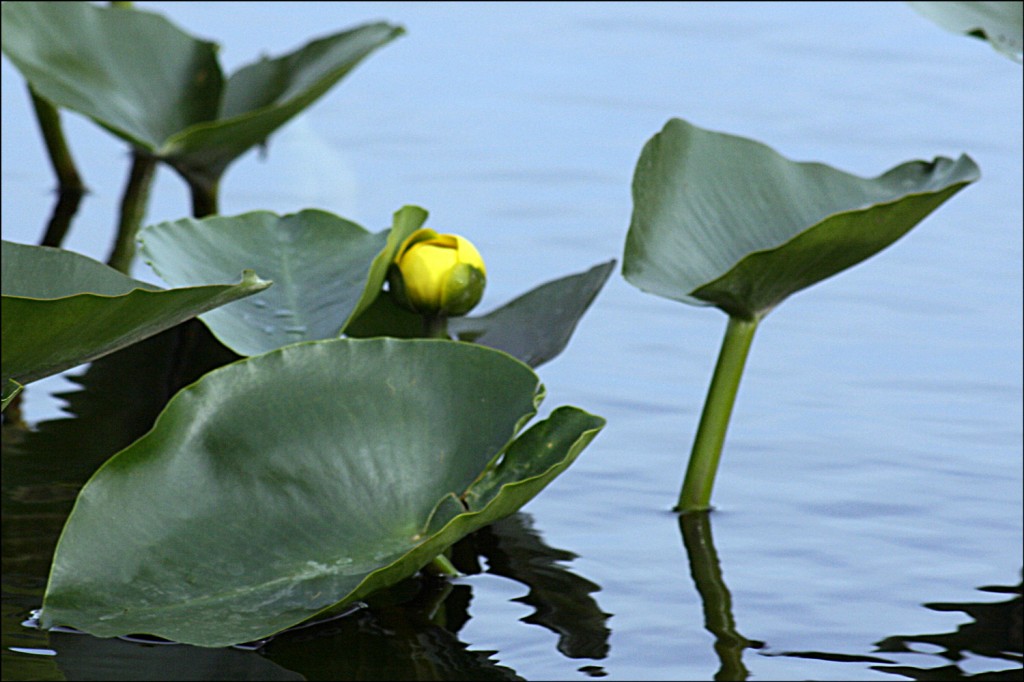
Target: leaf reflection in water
(562,600)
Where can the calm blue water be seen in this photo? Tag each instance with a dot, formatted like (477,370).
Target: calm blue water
(874,458)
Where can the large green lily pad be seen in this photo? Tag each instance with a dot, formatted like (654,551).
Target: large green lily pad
(727,221)
(162,90)
(291,483)
(326,270)
(61,309)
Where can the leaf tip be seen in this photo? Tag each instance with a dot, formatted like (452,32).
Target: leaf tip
(251,280)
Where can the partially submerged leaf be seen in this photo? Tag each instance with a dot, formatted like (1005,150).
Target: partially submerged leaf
(326,270)
(294,482)
(61,309)
(727,221)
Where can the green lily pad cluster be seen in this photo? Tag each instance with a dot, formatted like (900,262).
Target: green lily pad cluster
(172,99)
(318,468)
(342,452)
(318,298)
(393,449)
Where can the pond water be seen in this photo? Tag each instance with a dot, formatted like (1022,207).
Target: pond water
(868,506)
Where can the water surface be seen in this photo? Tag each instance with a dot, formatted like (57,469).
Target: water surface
(871,483)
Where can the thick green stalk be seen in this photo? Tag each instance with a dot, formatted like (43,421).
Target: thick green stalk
(435,327)
(70,188)
(442,565)
(714,420)
(133,210)
(205,197)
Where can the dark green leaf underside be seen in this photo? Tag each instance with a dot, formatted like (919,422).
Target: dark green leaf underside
(727,221)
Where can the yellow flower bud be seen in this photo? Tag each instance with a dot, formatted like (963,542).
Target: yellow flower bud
(437,274)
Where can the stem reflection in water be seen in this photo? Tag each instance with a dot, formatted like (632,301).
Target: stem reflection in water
(717,602)
(70,188)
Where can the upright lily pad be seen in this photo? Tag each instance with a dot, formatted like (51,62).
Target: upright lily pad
(1000,23)
(727,221)
(294,482)
(162,90)
(326,270)
(61,309)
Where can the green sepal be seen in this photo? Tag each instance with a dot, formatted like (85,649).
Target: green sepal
(396,286)
(463,289)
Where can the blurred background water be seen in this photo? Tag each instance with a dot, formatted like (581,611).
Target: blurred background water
(874,459)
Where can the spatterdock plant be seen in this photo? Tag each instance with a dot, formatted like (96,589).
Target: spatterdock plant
(164,93)
(726,221)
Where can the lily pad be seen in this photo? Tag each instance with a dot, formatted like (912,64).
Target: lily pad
(162,90)
(62,309)
(727,221)
(292,483)
(326,270)
(533,328)
(1000,23)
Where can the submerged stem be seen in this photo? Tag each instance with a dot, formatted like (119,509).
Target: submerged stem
(133,210)
(714,420)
